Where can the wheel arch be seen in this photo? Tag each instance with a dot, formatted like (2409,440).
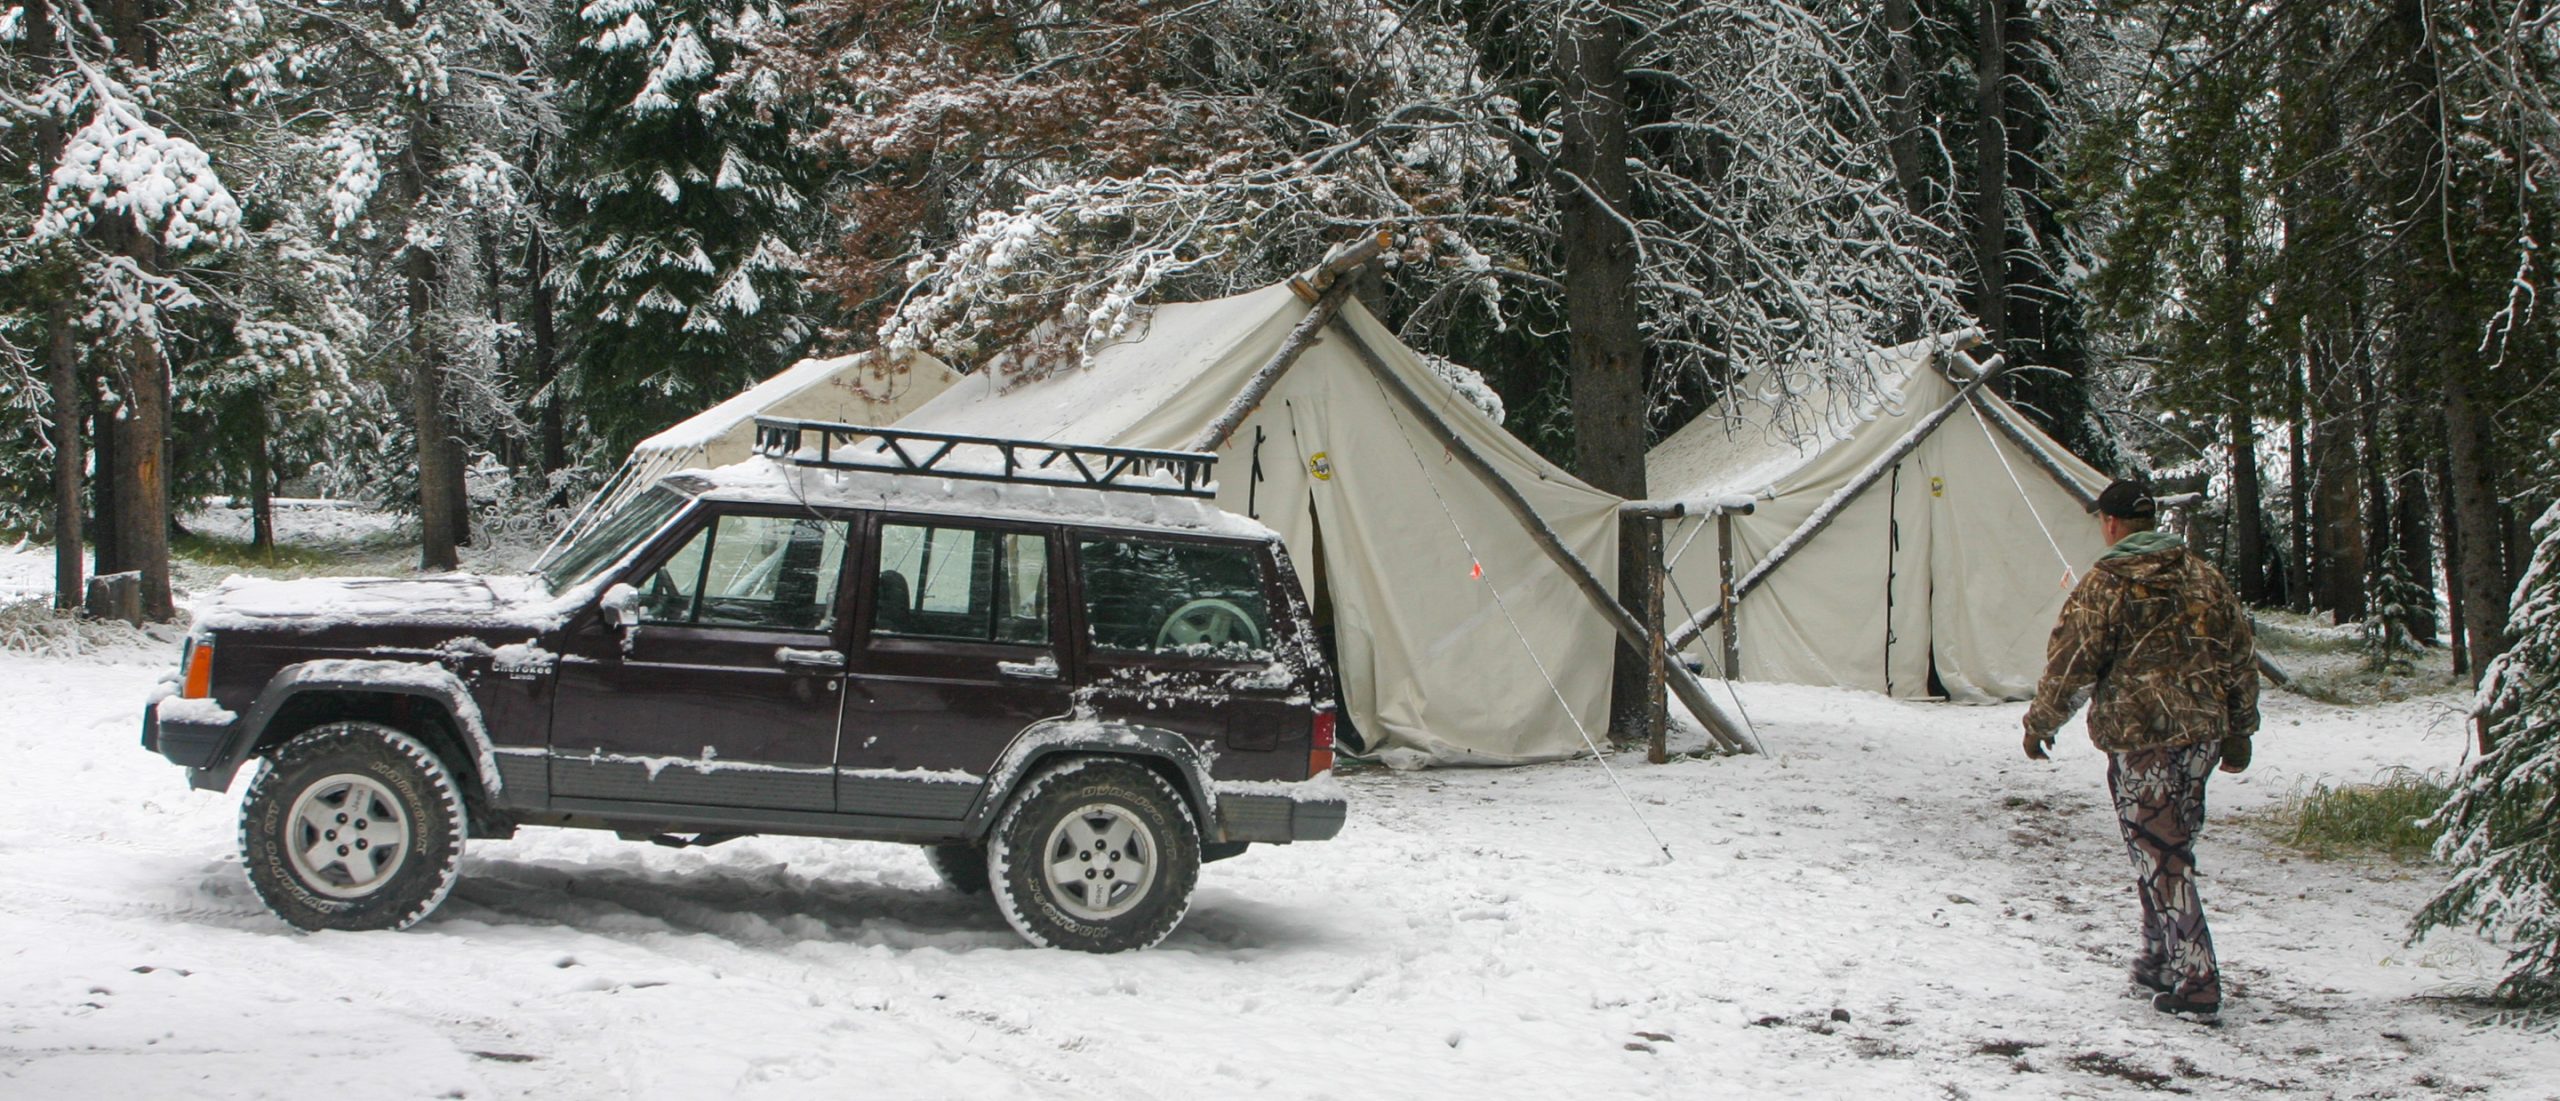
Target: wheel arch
(424,701)
(1170,755)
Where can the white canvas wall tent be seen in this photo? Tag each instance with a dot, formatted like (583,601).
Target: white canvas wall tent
(1403,550)
(1943,576)
(865,388)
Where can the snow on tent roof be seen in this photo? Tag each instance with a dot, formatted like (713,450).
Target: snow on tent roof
(865,377)
(1747,445)
(1128,383)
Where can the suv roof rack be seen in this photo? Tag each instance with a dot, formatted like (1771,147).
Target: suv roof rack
(1026,462)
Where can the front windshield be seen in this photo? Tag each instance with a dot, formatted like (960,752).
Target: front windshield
(604,543)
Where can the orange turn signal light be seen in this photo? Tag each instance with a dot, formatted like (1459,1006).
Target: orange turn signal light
(199,682)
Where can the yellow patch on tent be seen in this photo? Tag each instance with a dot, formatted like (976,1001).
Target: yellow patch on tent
(1937,487)
(1320,466)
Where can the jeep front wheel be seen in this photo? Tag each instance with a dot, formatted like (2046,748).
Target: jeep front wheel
(353,826)
(1097,855)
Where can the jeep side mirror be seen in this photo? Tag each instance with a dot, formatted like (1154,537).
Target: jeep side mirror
(621,607)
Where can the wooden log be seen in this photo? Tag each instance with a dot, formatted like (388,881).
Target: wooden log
(1722,728)
(1340,262)
(1839,501)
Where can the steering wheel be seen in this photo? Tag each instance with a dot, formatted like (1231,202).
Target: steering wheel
(1218,623)
(661,592)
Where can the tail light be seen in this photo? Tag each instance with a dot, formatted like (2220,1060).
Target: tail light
(198,662)
(1320,742)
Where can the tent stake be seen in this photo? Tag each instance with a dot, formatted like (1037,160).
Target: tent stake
(1727,733)
(1840,500)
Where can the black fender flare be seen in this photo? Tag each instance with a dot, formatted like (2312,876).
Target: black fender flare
(423,680)
(1050,739)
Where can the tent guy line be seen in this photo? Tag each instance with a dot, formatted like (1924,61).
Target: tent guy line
(1579,728)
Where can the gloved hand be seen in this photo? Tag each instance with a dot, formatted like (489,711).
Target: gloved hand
(2235,754)
(2037,743)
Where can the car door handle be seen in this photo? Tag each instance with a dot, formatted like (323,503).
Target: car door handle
(1043,668)
(809,661)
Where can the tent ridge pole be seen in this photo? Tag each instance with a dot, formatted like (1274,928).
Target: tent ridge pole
(1727,734)
(1840,500)
(1327,285)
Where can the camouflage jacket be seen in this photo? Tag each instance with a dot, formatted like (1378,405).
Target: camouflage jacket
(2158,646)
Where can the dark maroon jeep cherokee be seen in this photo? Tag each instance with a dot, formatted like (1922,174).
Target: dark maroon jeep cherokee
(1072,682)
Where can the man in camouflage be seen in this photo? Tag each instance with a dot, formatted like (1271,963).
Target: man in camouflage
(2155,642)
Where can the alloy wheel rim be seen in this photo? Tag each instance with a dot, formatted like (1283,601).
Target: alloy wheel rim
(346,836)
(1099,861)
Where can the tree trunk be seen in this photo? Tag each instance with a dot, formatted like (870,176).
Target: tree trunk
(1991,180)
(2413,520)
(2248,500)
(1607,357)
(1902,109)
(142,473)
(2297,572)
(62,358)
(554,443)
(105,515)
(439,521)
(2337,522)
(2457,640)
(62,381)
(2481,581)
(262,492)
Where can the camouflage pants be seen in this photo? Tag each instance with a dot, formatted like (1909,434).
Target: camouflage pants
(2159,796)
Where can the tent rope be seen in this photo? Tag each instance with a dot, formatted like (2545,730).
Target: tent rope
(2069,577)
(1477,563)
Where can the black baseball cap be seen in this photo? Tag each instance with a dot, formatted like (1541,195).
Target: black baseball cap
(2129,499)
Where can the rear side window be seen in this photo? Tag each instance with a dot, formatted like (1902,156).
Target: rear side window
(962,584)
(751,571)
(1146,596)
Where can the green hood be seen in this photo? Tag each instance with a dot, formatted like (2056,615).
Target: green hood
(2143,542)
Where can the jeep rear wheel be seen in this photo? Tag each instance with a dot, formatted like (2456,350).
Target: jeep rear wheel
(352,825)
(1097,855)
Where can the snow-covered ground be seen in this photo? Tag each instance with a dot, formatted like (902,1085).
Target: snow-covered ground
(1891,904)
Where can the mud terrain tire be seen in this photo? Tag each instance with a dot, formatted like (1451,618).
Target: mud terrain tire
(353,826)
(1095,855)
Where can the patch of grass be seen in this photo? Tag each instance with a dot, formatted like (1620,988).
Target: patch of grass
(210,551)
(2380,818)
(32,626)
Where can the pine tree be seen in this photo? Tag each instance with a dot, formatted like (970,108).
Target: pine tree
(697,196)
(2401,601)
(2499,826)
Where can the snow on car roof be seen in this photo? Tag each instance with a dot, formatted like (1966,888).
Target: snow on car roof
(766,481)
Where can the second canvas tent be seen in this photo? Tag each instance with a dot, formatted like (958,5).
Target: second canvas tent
(1942,578)
(1457,641)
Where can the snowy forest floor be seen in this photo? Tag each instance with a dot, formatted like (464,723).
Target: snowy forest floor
(1891,903)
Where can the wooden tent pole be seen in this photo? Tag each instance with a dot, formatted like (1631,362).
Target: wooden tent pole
(1326,286)
(1839,501)
(1727,733)
(1724,596)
